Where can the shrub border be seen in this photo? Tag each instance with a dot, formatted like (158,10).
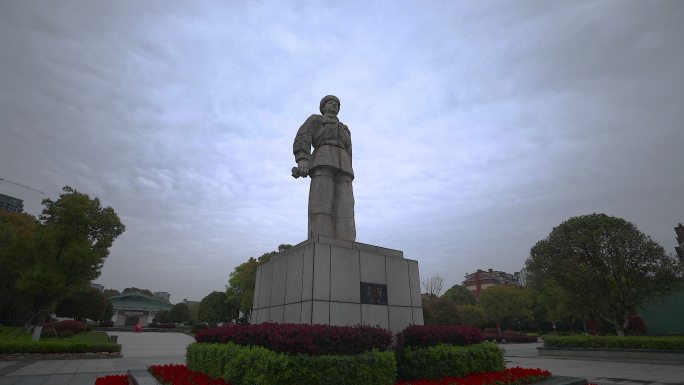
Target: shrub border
(439,361)
(646,343)
(57,347)
(255,364)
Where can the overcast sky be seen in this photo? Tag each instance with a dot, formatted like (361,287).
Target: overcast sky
(477,126)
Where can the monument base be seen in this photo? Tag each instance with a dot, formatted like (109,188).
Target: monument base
(335,282)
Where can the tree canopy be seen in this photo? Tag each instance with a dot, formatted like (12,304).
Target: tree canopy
(134,289)
(460,295)
(90,303)
(48,260)
(215,308)
(506,303)
(602,265)
(240,289)
(180,313)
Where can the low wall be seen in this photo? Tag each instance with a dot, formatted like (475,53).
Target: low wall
(641,354)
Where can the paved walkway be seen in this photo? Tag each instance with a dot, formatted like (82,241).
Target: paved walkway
(139,350)
(143,349)
(603,372)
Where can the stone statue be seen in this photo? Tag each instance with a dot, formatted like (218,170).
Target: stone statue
(331,197)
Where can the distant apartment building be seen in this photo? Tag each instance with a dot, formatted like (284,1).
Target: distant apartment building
(679,230)
(11,204)
(482,279)
(521,277)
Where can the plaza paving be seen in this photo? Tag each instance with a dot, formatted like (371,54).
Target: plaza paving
(143,349)
(623,372)
(139,350)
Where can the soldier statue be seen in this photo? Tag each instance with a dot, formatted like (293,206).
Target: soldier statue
(331,197)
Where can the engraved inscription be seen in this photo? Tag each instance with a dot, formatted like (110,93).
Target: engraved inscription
(373,293)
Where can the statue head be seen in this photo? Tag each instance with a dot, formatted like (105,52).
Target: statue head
(327,99)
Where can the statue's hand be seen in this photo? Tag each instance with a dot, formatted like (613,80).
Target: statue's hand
(303,166)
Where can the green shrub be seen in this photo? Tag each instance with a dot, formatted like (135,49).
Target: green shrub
(255,365)
(56,346)
(612,342)
(449,361)
(51,333)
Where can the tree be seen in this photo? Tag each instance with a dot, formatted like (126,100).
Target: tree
(134,289)
(505,304)
(440,311)
(240,289)
(605,265)
(180,313)
(215,308)
(111,292)
(17,237)
(433,285)
(193,308)
(48,260)
(460,295)
(472,315)
(163,316)
(90,303)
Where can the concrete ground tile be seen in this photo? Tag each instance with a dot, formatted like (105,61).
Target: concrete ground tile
(70,366)
(7,380)
(84,379)
(88,366)
(105,365)
(59,379)
(672,380)
(32,380)
(4,364)
(40,367)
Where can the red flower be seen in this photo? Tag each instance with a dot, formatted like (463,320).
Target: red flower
(118,379)
(512,376)
(181,375)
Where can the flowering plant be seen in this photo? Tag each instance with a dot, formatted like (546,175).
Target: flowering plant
(301,338)
(117,379)
(180,375)
(66,325)
(430,335)
(512,376)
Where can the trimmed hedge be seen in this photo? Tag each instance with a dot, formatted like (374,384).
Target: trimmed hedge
(613,342)
(56,347)
(449,361)
(509,338)
(51,333)
(256,365)
(431,335)
(301,338)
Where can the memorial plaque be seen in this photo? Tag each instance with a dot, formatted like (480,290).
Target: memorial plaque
(373,293)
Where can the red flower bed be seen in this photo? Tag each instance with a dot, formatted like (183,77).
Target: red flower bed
(118,379)
(430,335)
(181,375)
(301,338)
(66,325)
(512,376)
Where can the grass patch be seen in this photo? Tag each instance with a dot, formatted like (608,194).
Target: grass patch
(18,340)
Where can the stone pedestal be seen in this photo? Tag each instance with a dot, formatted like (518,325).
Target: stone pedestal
(336,282)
